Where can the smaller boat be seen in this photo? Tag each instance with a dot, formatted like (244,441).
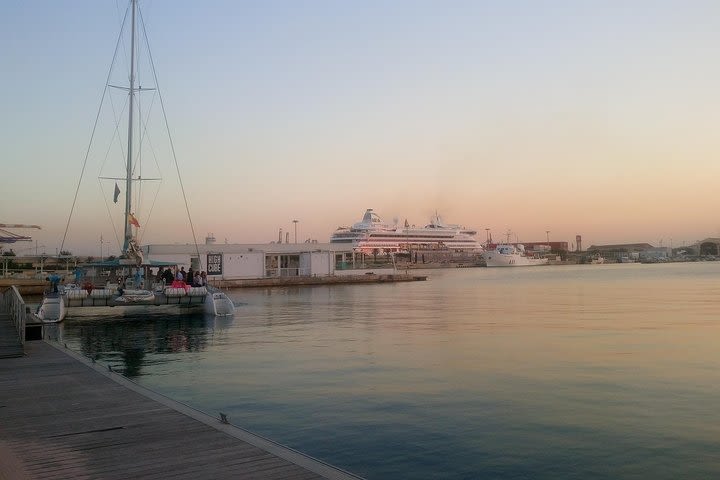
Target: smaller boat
(509,255)
(597,260)
(135,296)
(52,309)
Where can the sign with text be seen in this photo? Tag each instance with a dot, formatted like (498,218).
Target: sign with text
(214,263)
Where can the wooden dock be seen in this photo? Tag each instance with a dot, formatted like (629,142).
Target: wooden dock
(10,343)
(61,416)
(12,323)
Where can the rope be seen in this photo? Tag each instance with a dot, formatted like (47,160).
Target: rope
(107,207)
(172,145)
(92,135)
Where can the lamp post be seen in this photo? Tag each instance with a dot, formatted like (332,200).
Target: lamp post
(296,222)
(547,235)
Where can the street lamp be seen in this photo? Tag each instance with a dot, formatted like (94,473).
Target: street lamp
(547,235)
(296,222)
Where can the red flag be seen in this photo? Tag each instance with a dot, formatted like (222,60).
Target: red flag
(133,221)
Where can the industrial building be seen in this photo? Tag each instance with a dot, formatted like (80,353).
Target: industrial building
(631,251)
(709,246)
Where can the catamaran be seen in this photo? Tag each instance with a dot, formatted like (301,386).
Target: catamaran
(130,280)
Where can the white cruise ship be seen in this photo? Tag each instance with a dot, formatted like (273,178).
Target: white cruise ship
(372,234)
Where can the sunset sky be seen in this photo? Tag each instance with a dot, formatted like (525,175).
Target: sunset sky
(596,118)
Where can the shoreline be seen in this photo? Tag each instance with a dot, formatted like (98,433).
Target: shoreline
(36,287)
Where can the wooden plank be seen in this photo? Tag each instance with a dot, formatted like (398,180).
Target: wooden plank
(62,418)
(10,344)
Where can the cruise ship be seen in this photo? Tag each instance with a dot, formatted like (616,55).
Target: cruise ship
(371,234)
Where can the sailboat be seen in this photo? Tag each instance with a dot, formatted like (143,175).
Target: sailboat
(130,280)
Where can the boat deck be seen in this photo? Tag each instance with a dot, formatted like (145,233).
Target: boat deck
(63,417)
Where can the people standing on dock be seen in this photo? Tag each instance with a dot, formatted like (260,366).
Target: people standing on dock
(180,277)
(54,280)
(168,277)
(197,281)
(138,278)
(203,279)
(189,276)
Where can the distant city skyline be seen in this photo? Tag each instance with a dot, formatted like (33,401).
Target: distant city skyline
(590,118)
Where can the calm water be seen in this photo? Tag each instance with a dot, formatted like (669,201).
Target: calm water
(602,371)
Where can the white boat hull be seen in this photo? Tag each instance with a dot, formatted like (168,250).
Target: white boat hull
(371,235)
(52,309)
(496,259)
(499,260)
(209,299)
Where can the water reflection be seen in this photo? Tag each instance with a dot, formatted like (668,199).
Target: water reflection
(130,343)
(569,372)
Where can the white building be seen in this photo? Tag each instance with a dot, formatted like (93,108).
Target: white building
(249,261)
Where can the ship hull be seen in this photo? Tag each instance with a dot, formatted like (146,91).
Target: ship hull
(494,259)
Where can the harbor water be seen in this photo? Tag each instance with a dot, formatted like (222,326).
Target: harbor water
(588,371)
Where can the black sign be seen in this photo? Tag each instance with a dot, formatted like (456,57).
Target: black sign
(214,263)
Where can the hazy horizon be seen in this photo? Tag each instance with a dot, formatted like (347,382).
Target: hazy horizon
(590,118)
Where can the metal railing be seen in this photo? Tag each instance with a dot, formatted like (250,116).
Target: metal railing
(12,302)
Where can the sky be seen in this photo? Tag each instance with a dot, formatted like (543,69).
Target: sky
(595,118)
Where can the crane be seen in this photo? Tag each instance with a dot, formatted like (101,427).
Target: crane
(10,237)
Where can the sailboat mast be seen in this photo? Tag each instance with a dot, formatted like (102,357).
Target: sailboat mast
(128,174)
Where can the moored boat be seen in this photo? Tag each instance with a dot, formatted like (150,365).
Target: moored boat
(52,309)
(511,255)
(372,234)
(127,280)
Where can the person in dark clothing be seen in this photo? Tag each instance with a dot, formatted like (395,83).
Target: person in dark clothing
(54,282)
(168,276)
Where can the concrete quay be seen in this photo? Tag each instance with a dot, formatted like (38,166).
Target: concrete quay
(36,287)
(319,280)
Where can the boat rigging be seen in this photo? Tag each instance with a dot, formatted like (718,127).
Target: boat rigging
(128,280)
